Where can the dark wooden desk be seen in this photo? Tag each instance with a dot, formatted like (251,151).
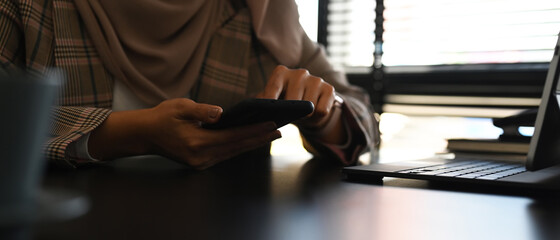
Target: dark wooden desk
(153,198)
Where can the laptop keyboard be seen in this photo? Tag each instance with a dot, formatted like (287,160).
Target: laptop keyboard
(470,169)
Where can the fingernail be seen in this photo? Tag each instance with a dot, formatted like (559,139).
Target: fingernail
(213,112)
(275,136)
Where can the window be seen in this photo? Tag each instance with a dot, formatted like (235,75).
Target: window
(489,54)
(309,16)
(474,58)
(350,30)
(436,32)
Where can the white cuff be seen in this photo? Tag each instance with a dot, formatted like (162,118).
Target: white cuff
(81,148)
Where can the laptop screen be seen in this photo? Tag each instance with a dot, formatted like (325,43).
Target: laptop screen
(544,150)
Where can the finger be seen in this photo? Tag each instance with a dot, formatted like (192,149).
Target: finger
(325,102)
(233,149)
(312,89)
(230,150)
(276,83)
(296,84)
(191,110)
(225,136)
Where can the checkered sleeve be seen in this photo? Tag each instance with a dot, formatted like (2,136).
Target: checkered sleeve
(26,45)
(67,126)
(361,125)
(11,36)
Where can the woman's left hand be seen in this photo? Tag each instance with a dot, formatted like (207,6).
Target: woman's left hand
(298,84)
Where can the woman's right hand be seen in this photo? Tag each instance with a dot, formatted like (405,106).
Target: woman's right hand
(173,129)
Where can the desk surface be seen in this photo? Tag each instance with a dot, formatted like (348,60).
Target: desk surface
(153,198)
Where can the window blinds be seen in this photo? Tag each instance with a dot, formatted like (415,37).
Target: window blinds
(350,32)
(433,32)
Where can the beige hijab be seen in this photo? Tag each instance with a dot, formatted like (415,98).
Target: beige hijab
(156,48)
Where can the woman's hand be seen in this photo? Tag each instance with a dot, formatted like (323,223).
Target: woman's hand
(173,129)
(298,84)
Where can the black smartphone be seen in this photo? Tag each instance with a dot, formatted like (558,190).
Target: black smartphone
(256,110)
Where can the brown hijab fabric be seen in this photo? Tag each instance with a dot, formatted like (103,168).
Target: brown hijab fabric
(157,48)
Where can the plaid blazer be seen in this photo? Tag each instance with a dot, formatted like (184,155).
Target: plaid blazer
(36,35)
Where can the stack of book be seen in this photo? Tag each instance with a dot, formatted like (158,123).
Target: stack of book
(511,144)
(489,148)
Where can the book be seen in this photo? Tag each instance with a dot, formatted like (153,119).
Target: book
(487,146)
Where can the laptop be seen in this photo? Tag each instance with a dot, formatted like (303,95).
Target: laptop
(541,169)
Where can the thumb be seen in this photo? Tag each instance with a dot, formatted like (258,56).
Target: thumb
(201,112)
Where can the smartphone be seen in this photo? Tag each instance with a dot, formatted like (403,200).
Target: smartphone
(257,110)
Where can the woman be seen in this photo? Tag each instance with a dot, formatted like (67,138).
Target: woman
(143,75)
